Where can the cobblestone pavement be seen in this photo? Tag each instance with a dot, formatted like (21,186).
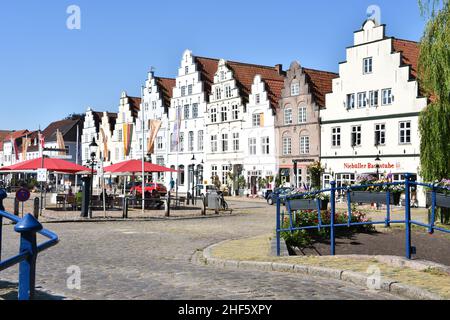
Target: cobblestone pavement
(151,260)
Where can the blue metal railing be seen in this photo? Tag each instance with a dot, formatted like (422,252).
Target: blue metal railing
(27,227)
(387,222)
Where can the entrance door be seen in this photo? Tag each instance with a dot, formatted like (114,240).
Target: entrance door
(254,184)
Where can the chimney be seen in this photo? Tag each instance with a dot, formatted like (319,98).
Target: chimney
(279,69)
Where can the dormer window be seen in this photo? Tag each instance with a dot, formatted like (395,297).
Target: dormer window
(367,65)
(295,89)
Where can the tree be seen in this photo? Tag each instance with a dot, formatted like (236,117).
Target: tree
(434,79)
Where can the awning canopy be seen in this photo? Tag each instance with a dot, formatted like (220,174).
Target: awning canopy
(54,165)
(135,166)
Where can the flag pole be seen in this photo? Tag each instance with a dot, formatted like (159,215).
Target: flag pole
(143,150)
(76,157)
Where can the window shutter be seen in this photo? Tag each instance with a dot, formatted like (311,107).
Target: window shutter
(261,119)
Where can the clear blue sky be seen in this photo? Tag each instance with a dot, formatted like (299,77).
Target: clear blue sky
(48,71)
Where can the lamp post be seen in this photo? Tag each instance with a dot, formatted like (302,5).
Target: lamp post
(93,150)
(193,178)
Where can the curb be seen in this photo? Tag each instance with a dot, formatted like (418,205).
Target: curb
(394,287)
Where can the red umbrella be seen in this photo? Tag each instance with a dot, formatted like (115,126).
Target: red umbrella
(56,165)
(135,166)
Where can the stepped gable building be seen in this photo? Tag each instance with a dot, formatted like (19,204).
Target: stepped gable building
(370,125)
(99,126)
(298,122)
(123,138)
(231,91)
(156,99)
(187,116)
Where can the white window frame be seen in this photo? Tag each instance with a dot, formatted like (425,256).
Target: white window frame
(265,143)
(386,99)
(252,146)
(381,128)
(214,143)
(304,145)
(336,137)
(362,100)
(288,117)
(351,101)
(407,132)
(368,65)
(295,89)
(357,131)
(302,115)
(287,146)
(374,98)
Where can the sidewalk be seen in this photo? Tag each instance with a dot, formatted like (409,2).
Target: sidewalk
(413,279)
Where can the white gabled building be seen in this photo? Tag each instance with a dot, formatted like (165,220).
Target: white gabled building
(192,86)
(260,142)
(155,105)
(123,138)
(373,110)
(224,123)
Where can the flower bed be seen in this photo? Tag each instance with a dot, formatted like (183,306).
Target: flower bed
(309,218)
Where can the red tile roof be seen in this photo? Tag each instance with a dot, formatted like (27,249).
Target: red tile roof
(410,52)
(166,86)
(244,73)
(320,83)
(6,136)
(135,105)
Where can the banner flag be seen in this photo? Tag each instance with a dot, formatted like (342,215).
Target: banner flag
(60,142)
(154,126)
(105,144)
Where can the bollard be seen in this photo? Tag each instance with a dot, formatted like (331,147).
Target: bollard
(16,207)
(125,208)
(167,205)
(36,206)
(203,206)
(27,227)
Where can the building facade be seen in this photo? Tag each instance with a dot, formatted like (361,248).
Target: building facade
(123,138)
(187,120)
(297,122)
(373,110)
(156,98)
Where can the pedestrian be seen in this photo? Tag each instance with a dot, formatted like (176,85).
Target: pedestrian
(3,196)
(172,183)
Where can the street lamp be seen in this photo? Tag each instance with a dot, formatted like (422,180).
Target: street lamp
(377,165)
(93,150)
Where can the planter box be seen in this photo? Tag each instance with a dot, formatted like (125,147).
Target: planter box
(442,200)
(374,197)
(302,204)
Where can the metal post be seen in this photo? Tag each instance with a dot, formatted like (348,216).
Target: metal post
(167,207)
(433,211)
(408,217)
(388,210)
(125,208)
(16,207)
(349,206)
(1,235)
(36,205)
(278,224)
(333,212)
(27,228)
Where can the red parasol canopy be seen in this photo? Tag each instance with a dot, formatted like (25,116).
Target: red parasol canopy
(50,164)
(135,166)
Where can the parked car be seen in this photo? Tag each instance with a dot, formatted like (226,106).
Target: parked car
(271,197)
(150,187)
(203,189)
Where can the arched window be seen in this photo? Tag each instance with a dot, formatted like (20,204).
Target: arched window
(287,145)
(288,115)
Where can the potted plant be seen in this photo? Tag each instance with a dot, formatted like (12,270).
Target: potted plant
(442,194)
(373,193)
(241,185)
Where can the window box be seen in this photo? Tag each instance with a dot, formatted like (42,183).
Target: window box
(442,200)
(374,197)
(307,204)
